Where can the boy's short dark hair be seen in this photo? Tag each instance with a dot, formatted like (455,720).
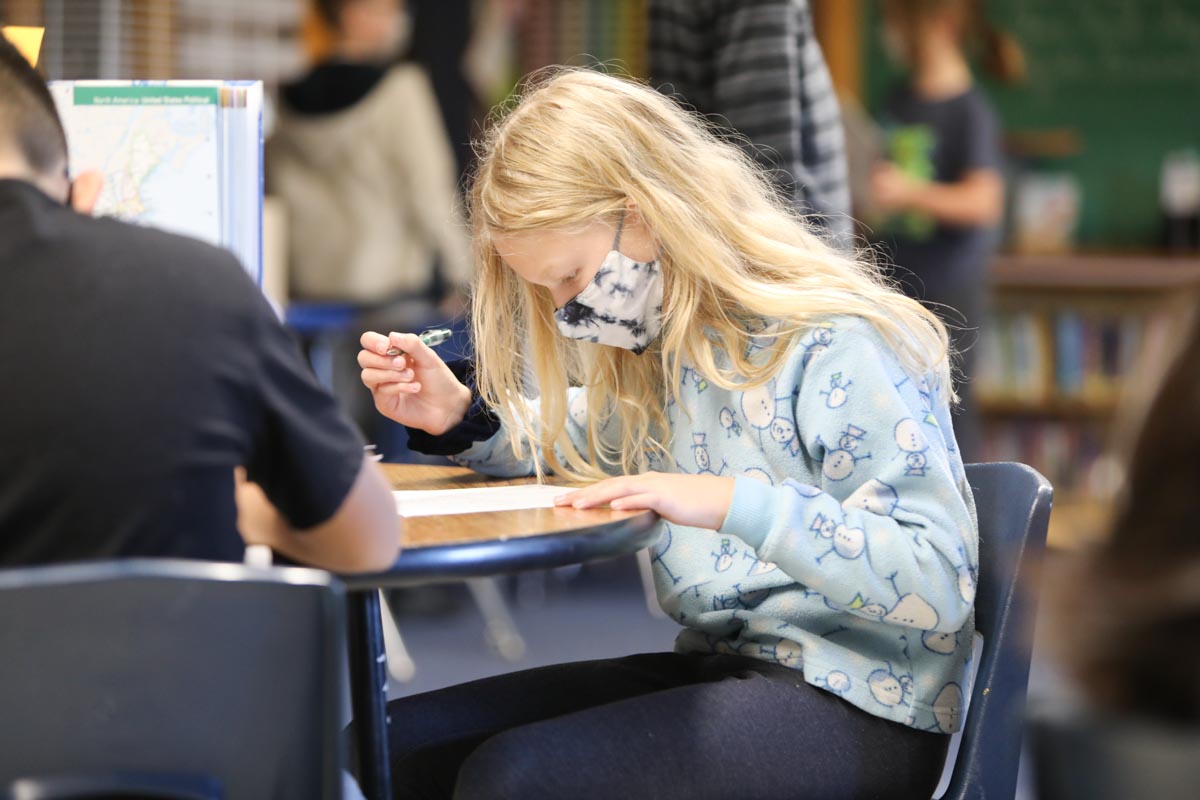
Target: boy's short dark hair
(28,118)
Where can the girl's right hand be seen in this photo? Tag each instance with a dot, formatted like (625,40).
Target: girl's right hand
(416,389)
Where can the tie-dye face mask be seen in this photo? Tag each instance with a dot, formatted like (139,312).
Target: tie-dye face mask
(621,307)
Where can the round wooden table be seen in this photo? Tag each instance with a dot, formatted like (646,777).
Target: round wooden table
(455,546)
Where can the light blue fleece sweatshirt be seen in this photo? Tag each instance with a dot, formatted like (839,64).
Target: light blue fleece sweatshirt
(850,547)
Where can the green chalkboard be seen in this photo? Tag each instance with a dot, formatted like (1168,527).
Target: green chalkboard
(1123,74)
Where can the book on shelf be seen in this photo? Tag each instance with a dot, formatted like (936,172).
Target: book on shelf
(1071,456)
(583,32)
(1105,325)
(1015,360)
(1072,356)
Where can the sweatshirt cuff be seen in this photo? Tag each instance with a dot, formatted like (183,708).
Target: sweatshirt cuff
(479,424)
(753,511)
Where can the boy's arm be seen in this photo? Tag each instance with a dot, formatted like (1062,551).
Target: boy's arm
(363,535)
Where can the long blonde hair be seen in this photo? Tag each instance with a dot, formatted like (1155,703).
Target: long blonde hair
(575,148)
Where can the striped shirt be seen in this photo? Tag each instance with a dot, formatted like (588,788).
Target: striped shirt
(756,68)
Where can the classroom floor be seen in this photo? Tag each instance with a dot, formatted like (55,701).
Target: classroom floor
(575,614)
(597,611)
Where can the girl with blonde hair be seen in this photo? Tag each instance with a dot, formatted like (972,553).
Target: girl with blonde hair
(650,316)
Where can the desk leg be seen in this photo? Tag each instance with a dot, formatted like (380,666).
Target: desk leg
(368,694)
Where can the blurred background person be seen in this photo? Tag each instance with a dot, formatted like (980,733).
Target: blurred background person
(941,188)
(1137,627)
(362,162)
(441,34)
(757,69)
(1126,619)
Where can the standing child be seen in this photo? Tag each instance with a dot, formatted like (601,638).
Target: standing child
(364,166)
(362,163)
(942,182)
(782,409)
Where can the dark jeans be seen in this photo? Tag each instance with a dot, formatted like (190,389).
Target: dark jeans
(659,725)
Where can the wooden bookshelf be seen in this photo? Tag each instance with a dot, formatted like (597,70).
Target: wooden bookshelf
(1051,407)
(1105,273)
(1068,334)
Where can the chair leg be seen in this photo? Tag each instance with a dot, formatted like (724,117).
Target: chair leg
(400,664)
(368,693)
(647,572)
(501,630)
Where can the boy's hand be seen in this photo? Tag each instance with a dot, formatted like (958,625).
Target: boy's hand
(85,191)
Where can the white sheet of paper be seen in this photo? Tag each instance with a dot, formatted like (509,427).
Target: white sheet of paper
(425,503)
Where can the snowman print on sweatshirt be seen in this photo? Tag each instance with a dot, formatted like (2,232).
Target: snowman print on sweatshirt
(728,420)
(759,406)
(890,689)
(703,459)
(913,444)
(835,681)
(847,542)
(822,337)
(838,392)
(840,458)
(948,708)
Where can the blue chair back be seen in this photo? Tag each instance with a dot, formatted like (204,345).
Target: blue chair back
(308,319)
(179,679)
(1013,505)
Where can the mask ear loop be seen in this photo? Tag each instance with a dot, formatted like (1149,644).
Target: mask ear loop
(620,227)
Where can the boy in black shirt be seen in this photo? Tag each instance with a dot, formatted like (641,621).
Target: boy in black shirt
(141,369)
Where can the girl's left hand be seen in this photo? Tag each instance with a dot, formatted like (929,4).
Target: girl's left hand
(701,501)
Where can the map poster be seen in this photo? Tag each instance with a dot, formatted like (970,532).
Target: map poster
(181,155)
(158,147)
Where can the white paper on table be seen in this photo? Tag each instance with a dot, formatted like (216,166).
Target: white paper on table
(425,503)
